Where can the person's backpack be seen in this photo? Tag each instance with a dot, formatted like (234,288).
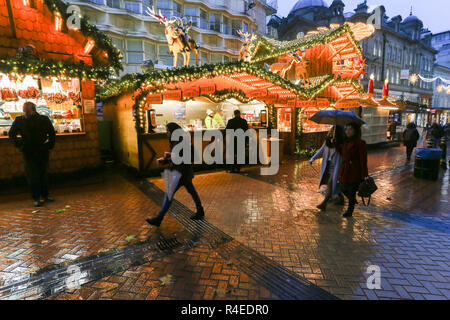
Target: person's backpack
(366,189)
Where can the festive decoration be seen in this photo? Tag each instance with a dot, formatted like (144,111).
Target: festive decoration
(265,48)
(413,78)
(178,39)
(371,88)
(101,40)
(247,46)
(386,88)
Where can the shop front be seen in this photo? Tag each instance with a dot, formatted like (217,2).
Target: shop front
(44,62)
(279,86)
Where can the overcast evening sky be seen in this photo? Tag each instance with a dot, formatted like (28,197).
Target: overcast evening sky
(433,13)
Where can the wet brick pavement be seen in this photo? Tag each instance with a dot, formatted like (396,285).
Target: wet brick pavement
(272,220)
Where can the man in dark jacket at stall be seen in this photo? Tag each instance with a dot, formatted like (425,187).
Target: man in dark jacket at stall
(410,138)
(236,123)
(37,138)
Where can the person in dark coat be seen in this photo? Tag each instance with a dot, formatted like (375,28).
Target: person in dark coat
(354,165)
(410,138)
(436,134)
(36,141)
(187,174)
(392,129)
(236,123)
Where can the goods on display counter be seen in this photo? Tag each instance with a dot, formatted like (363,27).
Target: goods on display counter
(51,100)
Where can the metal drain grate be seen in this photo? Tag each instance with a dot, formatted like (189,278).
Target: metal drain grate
(61,278)
(266,272)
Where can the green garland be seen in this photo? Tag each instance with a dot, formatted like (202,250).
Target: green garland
(33,65)
(265,48)
(114,88)
(222,95)
(272,116)
(298,128)
(101,40)
(161,78)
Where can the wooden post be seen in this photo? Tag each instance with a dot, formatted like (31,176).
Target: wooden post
(11,18)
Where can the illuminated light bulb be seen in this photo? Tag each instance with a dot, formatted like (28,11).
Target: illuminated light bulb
(89,46)
(413,78)
(58,21)
(440,88)
(26,3)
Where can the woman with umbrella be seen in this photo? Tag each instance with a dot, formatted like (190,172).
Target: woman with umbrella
(331,163)
(187,174)
(354,165)
(353,152)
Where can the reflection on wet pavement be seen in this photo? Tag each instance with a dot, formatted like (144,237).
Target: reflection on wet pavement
(405,230)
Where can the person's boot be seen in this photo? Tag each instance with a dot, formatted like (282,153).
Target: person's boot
(322,206)
(154,221)
(199,215)
(349,212)
(36,203)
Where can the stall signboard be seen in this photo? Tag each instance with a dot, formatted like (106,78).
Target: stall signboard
(172,95)
(89,106)
(306,103)
(404,74)
(191,92)
(258,93)
(179,114)
(347,104)
(322,103)
(208,89)
(154,98)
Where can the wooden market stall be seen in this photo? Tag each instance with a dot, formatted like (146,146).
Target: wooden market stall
(44,60)
(278,85)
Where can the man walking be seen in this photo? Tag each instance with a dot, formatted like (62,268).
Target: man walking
(410,137)
(37,137)
(236,123)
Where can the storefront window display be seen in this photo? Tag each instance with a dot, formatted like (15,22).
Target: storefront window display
(57,98)
(284,119)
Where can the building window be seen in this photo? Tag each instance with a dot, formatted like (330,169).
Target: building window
(150,51)
(203,19)
(192,14)
(236,26)
(135,51)
(245,27)
(177,9)
(214,22)
(164,57)
(226,59)
(113,3)
(147,4)
(226,25)
(133,6)
(165,7)
(216,58)
(204,57)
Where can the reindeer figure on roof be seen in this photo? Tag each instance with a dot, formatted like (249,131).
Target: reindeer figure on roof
(247,46)
(178,39)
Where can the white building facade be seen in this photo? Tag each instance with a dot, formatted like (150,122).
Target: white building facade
(141,38)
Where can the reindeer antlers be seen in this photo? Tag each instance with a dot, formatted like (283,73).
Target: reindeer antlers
(160,17)
(247,36)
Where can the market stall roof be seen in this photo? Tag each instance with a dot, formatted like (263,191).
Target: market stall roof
(342,39)
(250,79)
(36,39)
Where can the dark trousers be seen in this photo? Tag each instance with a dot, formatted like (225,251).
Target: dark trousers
(409,150)
(168,202)
(350,190)
(36,165)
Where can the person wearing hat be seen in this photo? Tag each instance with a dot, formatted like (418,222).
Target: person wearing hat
(209,123)
(219,119)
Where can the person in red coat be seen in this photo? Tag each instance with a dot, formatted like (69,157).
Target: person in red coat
(354,165)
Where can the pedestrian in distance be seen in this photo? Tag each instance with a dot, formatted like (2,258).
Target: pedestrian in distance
(436,134)
(410,138)
(354,165)
(331,164)
(187,174)
(36,141)
(236,123)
